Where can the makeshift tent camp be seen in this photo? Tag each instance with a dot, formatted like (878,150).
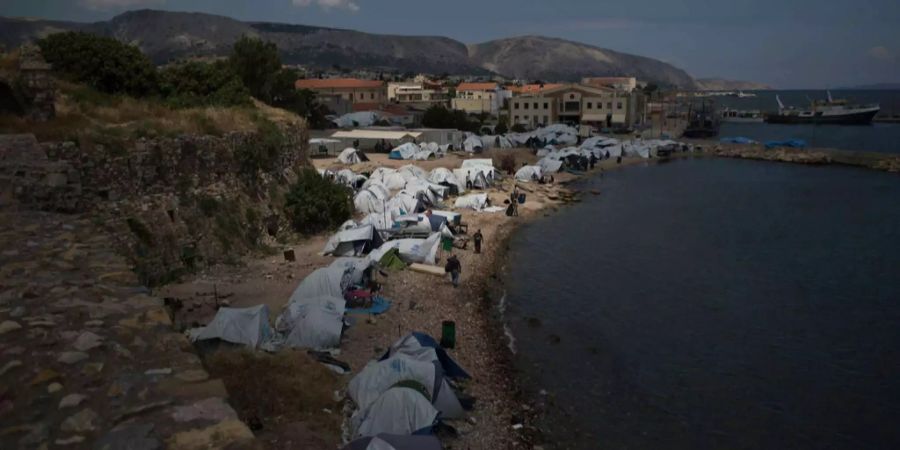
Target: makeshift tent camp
(498,141)
(529,173)
(411,250)
(314,323)
(353,241)
(411,172)
(350,179)
(405,151)
(391,260)
(379,376)
(473,144)
(360,266)
(423,347)
(356,119)
(404,203)
(245,326)
(399,410)
(370,201)
(390,179)
(395,442)
(351,155)
(473,201)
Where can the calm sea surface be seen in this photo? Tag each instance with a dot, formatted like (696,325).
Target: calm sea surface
(708,304)
(878,137)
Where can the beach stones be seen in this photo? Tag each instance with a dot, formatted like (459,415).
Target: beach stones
(72,357)
(71,401)
(8,325)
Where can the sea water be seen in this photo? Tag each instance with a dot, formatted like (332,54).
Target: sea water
(710,303)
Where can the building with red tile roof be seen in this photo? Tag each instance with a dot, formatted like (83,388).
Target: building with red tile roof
(343,95)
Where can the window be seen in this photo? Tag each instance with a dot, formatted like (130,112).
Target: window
(516,118)
(361,96)
(371,96)
(619,105)
(546,106)
(525,117)
(516,105)
(590,105)
(609,105)
(571,96)
(526,105)
(535,105)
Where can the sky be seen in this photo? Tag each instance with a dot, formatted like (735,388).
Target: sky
(784,43)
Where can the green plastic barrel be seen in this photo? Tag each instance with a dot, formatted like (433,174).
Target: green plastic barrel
(448,334)
(447,243)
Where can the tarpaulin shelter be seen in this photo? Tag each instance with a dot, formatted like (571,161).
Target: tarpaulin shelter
(354,241)
(528,173)
(351,155)
(323,282)
(472,201)
(473,177)
(244,326)
(445,177)
(391,260)
(314,323)
(550,165)
(399,410)
(473,144)
(405,151)
(379,376)
(356,119)
(422,347)
(411,250)
(790,143)
(395,442)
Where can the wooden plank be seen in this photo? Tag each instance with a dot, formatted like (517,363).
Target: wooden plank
(424,268)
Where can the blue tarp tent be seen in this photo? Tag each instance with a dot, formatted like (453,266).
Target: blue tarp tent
(737,140)
(409,345)
(792,143)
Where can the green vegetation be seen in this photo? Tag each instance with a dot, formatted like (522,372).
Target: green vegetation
(315,204)
(260,155)
(440,117)
(100,62)
(501,127)
(518,128)
(193,84)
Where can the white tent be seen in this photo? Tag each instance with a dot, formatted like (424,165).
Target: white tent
(472,201)
(410,172)
(356,119)
(247,326)
(444,176)
(403,203)
(498,141)
(399,410)
(350,179)
(411,250)
(405,151)
(315,326)
(357,265)
(472,176)
(351,155)
(529,173)
(323,282)
(477,162)
(352,241)
(473,144)
(379,376)
(370,200)
(549,165)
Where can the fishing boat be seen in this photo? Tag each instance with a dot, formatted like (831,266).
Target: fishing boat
(741,116)
(702,122)
(830,111)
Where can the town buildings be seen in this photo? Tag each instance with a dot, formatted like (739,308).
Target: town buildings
(345,95)
(602,107)
(478,98)
(625,84)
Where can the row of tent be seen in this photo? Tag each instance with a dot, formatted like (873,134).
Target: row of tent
(424,152)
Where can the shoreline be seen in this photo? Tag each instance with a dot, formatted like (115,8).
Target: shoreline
(483,343)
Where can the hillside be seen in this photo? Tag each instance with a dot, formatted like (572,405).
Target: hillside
(537,57)
(719,84)
(165,36)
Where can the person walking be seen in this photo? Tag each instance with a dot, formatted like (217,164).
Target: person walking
(477,238)
(453,267)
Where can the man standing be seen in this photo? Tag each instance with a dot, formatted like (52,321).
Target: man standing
(453,268)
(477,238)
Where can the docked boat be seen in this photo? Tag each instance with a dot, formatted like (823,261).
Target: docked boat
(702,122)
(741,116)
(830,111)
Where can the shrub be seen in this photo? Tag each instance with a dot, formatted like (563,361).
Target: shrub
(256,63)
(440,117)
(260,154)
(315,204)
(194,83)
(101,62)
(518,128)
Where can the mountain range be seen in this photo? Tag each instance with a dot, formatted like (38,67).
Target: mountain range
(718,84)
(166,36)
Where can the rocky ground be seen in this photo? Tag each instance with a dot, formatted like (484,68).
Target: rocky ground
(89,359)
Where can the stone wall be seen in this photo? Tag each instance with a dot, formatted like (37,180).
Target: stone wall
(174,204)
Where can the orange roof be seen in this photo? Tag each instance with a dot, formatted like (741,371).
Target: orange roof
(337,83)
(476,87)
(368,106)
(533,88)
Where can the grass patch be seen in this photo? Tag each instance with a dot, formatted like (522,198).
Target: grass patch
(277,389)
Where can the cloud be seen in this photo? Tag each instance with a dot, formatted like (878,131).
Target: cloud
(103,5)
(882,53)
(607,23)
(349,5)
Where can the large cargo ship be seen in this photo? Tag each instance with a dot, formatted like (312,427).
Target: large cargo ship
(829,111)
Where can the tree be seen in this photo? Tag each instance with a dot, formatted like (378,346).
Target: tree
(256,62)
(438,116)
(501,127)
(191,84)
(315,204)
(100,62)
(518,128)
